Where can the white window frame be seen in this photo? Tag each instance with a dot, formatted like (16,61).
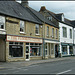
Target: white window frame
(64,32)
(2,20)
(24,26)
(37,29)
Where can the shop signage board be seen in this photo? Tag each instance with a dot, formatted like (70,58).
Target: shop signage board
(23,39)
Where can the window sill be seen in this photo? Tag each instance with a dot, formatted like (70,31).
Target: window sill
(36,56)
(3,30)
(37,34)
(22,33)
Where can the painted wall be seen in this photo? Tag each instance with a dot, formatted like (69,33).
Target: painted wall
(63,39)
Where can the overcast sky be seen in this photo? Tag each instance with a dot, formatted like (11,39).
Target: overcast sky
(66,7)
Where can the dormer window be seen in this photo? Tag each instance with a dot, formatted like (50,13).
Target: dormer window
(2,22)
(49,18)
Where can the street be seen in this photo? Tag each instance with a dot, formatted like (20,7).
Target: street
(57,67)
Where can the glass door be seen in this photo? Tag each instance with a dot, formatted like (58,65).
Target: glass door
(27,53)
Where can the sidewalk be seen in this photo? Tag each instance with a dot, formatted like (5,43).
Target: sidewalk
(5,65)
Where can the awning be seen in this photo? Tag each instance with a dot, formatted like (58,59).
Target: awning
(52,42)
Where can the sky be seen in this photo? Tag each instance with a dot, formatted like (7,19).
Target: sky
(66,7)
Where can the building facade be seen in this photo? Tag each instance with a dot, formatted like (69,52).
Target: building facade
(65,31)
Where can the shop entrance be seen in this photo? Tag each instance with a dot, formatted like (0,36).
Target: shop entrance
(56,50)
(27,53)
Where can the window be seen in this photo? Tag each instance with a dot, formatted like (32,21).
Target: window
(64,49)
(64,32)
(52,48)
(49,18)
(71,33)
(37,29)
(52,32)
(71,49)
(35,50)
(22,26)
(47,31)
(46,49)
(15,49)
(2,22)
(56,33)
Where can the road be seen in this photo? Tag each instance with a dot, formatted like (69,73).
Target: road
(57,67)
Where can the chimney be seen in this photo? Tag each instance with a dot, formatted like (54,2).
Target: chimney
(24,3)
(43,8)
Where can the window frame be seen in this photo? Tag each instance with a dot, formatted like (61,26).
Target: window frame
(52,32)
(24,26)
(16,44)
(70,33)
(37,29)
(47,30)
(56,33)
(64,32)
(3,19)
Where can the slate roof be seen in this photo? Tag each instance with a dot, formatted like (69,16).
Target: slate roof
(15,9)
(40,16)
(58,18)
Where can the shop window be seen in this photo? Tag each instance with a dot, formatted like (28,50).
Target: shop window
(64,32)
(47,30)
(70,33)
(71,49)
(52,48)
(15,50)
(35,50)
(46,49)
(2,22)
(22,26)
(37,29)
(64,49)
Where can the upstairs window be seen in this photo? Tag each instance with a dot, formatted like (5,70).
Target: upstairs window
(47,31)
(37,29)
(64,32)
(2,22)
(56,33)
(70,33)
(52,32)
(22,26)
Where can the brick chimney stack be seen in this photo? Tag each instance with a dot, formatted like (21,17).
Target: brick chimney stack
(43,8)
(24,3)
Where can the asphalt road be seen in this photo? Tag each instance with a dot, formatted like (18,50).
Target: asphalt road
(57,67)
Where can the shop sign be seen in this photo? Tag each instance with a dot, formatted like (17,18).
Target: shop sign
(23,39)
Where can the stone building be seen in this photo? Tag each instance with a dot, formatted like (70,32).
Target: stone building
(25,34)
(65,31)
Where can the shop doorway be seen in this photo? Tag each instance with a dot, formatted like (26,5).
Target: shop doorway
(56,51)
(27,53)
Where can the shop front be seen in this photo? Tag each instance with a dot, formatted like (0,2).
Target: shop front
(67,49)
(23,48)
(51,49)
